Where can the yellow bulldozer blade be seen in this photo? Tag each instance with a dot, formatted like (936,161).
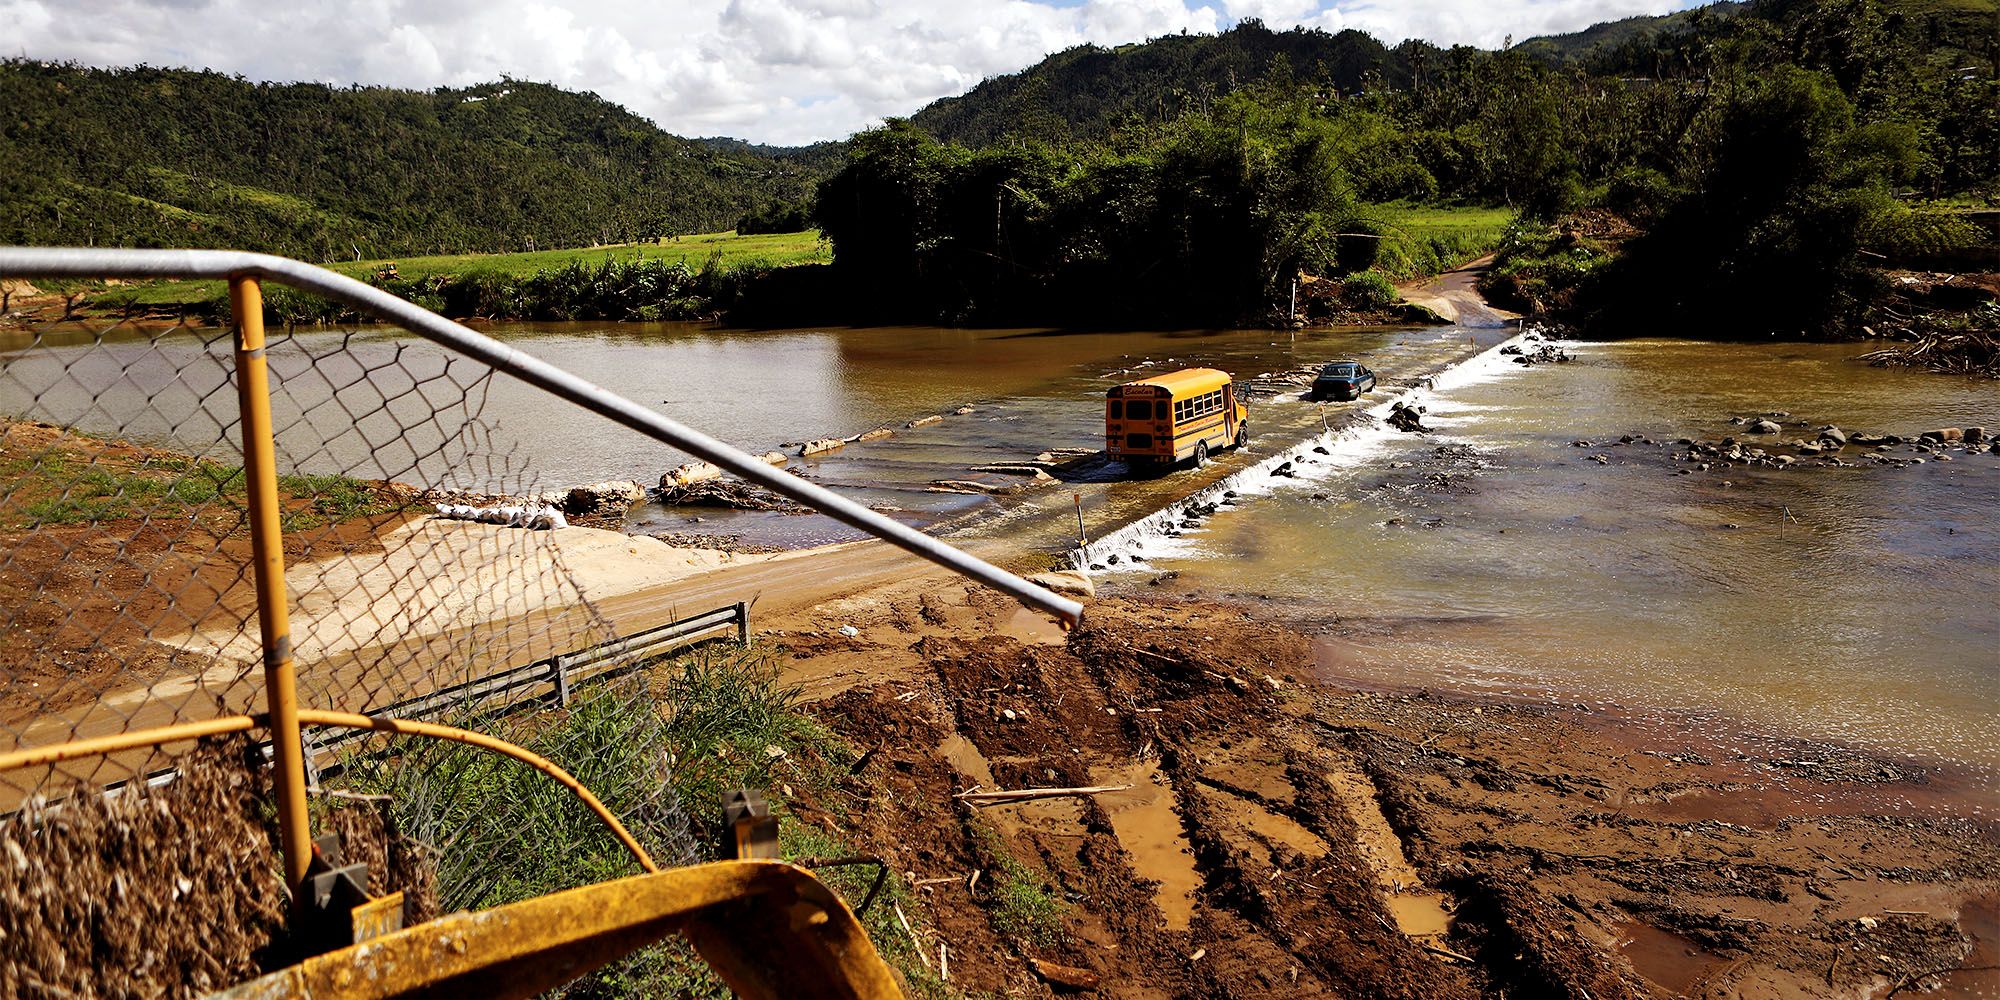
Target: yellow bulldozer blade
(768,928)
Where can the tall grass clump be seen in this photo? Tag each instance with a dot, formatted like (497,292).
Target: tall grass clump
(659,747)
(1915,235)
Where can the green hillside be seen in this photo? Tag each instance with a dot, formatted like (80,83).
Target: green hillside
(1082,93)
(1602,40)
(153,157)
(1637,44)
(1777,143)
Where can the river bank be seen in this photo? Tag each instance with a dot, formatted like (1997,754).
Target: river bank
(1286,832)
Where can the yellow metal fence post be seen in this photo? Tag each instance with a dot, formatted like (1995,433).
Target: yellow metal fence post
(267,543)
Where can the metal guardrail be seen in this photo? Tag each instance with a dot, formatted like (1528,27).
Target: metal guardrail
(560,673)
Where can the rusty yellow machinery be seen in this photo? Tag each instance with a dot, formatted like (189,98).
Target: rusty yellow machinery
(769,929)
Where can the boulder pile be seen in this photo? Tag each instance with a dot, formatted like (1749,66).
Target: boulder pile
(1407,418)
(606,500)
(732,494)
(1538,352)
(1826,446)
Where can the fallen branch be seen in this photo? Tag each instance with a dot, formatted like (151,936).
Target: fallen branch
(1065,975)
(1025,794)
(1448,953)
(904,922)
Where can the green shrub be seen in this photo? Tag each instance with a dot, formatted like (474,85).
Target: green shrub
(715,718)
(1368,290)
(1901,233)
(1639,194)
(1539,268)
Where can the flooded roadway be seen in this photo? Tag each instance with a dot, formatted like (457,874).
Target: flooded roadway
(1855,604)
(380,404)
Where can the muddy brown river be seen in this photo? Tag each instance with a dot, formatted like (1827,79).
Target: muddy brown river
(1854,604)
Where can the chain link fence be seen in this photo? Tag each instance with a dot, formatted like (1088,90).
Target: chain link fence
(127,591)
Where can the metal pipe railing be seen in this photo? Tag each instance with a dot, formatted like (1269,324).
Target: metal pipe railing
(267,548)
(52,262)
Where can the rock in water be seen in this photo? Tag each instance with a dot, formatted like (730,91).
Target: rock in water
(1066,581)
(1404,417)
(1762,426)
(607,499)
(1944,434)
(692,472)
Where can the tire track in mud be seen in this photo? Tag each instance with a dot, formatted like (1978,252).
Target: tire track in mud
(1250,856)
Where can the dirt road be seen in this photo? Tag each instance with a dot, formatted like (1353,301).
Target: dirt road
(1455,296)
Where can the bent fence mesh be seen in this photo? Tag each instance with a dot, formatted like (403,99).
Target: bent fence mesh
(126,588)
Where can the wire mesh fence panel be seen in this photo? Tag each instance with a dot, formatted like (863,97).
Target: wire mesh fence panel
(418,557)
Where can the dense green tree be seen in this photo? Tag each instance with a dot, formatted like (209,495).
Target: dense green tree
(1764,241)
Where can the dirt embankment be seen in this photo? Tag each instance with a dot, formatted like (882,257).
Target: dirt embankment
(1288,837)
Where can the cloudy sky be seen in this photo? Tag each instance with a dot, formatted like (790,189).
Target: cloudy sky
(777,71)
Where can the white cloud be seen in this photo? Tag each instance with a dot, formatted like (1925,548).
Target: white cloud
(779,71)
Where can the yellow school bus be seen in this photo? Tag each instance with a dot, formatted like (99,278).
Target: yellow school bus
(1173,417)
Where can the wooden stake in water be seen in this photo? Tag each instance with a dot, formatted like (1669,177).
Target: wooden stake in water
(1082,543)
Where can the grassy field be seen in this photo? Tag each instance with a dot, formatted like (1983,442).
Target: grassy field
(773,250)
(52,477)
(1424,239)
(1428,220)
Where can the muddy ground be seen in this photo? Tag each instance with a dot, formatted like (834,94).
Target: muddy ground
(1288,836)
(106,545)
